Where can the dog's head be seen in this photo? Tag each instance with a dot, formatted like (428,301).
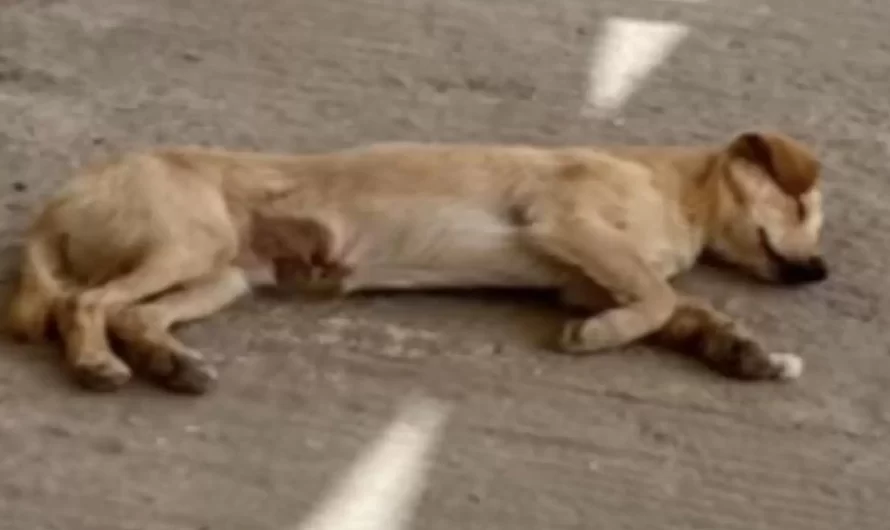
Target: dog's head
(769,209)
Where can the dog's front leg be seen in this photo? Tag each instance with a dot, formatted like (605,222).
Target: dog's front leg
(644,300)
(695,328)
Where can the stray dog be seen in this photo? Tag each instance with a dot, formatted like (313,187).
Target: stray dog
(134,245)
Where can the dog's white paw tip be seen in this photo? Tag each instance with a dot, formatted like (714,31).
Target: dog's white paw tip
(790,365)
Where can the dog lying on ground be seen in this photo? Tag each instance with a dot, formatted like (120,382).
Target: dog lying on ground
(134,245)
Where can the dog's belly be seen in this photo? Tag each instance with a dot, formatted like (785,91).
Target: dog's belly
(428,246)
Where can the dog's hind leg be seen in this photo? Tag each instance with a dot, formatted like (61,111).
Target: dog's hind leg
(86,315)
(699,330)
(42,285)
(144,330)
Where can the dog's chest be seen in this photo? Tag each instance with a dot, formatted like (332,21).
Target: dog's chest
(674,254)
(660,232)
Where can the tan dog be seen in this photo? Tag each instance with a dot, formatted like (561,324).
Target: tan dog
(138,244)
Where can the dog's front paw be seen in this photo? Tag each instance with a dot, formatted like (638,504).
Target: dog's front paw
(586,337)
(106,375)
(787,365)
(744,358)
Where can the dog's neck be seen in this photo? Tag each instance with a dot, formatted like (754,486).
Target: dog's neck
(691,174)
(698,174)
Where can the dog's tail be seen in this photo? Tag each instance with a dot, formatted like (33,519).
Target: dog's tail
(41,287)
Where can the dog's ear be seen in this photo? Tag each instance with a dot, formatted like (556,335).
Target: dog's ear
(792,166)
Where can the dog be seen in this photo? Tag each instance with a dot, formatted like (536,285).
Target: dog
(145,240)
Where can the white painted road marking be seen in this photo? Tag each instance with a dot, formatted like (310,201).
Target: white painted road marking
(626,52)
(381,490)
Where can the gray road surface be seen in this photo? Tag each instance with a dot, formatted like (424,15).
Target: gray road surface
(634,440)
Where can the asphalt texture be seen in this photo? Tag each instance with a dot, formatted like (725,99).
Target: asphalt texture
(636,439)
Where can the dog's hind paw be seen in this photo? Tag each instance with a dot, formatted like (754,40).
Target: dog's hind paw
(188,374)
(105,376)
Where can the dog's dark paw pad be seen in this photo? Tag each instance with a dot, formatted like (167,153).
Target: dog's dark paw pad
(189,375)
(102,377)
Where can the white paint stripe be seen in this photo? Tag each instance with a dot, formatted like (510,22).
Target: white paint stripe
(381,490)
(626,52)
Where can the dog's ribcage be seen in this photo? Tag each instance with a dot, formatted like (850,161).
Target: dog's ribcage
(436,243)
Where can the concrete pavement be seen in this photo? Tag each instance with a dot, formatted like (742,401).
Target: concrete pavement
(633,440)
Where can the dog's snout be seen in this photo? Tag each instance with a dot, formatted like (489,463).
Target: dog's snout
(807,271)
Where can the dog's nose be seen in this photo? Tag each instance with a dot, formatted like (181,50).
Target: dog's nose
(799,272)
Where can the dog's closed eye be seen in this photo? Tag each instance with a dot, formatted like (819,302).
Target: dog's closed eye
(801,210)
(769,249)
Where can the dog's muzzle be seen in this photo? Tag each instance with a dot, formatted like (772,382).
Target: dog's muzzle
(809,271)
(794,271)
